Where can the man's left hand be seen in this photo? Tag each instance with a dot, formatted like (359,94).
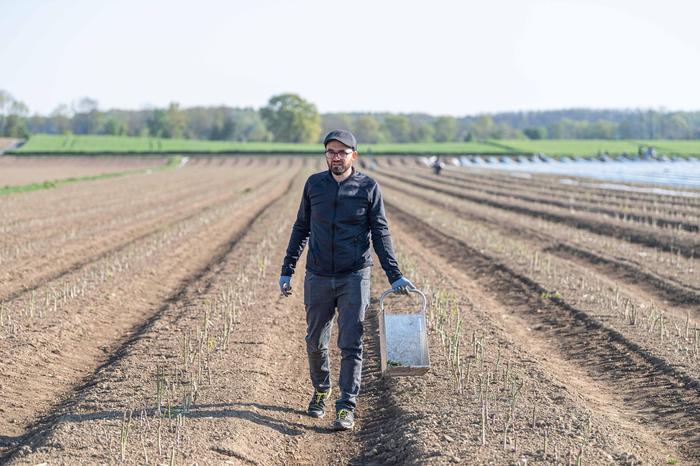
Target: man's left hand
(286,285)
(402,285)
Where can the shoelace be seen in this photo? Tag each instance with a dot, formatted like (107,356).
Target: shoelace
(343,413)
(319,397)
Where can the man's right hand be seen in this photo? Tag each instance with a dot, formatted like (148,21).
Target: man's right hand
(402,285)
(286,285)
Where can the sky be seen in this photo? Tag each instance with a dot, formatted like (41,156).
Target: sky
(438,57)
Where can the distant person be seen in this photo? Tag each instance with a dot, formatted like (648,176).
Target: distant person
(340,210)
(437,166)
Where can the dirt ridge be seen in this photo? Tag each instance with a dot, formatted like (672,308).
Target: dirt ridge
(39,431)
(664,287)
(615,231)
(384,414)
(639,362)
(107,252)
(673,292)
(644,219)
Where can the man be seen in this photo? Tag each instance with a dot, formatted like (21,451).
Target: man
(340,210)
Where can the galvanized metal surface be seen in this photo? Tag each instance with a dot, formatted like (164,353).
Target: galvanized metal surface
(403,340)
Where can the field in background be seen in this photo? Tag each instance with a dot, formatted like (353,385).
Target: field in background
(21,171)
(54,144)
(141,323)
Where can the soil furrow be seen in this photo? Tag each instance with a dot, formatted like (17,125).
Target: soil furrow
(157,226)
(560,390)
(666,288)
(668,331)
(676,293)
(38,432)
(383,419)
(688,249)
(540,183)
(645,219)
(584,340)
(609,198)
(251,408)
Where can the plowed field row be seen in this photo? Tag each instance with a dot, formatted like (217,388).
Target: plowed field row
(550,343)
(643,213)
(588,190)
(678,241)
(621,306)
(24,170)
(635,374)
(540,185)
(506,376)
(672,276)
(102,223)
(101,301)
(230,395)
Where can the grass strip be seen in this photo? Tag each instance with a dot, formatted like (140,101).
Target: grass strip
(173,162)
(46,144)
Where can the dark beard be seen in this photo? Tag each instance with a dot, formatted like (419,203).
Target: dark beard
(339,169)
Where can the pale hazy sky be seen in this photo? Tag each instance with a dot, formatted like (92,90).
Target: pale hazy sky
(434,56)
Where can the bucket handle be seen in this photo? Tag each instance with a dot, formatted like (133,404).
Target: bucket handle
(411,290)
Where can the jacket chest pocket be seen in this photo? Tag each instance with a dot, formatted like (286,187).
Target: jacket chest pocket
(354,210)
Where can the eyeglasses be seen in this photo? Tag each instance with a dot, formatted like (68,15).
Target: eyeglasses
(331,154)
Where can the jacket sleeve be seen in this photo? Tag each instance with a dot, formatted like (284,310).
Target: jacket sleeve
(381,238)
(300,234)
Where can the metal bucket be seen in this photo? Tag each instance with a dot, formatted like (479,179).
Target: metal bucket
(403,340)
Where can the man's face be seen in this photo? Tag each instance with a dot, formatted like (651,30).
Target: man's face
(339,157)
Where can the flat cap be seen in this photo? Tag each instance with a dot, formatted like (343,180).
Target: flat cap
(341,135)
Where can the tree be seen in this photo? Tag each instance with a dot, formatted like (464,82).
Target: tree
(87,118)
(249,126)
(13,116)
(331,121)
(445,129)
(422,132)
(600,129)
(483,127)
(535,133)
(562,129)
(114,127)
(6,100)
(85,105)
(675,126)
(176,121)
(167,123)
(60,119)
(158,123)
(292,119)
(14,127)
(368,130)
(398,127)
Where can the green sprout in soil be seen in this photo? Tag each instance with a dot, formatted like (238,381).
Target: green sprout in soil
(550,295)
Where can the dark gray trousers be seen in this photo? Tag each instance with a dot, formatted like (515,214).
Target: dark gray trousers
(350,295)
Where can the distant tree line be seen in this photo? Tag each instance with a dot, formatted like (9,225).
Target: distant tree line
(290,118)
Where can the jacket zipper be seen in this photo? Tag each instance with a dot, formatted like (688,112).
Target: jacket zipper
(335,203)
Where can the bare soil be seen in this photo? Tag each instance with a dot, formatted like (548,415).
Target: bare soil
(142,324)
(20,170)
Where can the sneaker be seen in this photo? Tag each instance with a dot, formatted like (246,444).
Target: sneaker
(344,420)
(317,405)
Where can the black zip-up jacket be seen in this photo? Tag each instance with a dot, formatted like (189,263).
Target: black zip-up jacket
(337,220)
